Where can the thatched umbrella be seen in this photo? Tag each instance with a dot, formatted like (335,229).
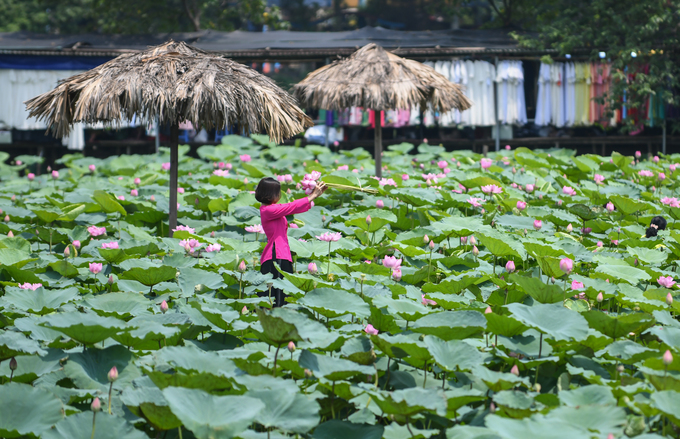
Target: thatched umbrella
(378,80)
(173,82)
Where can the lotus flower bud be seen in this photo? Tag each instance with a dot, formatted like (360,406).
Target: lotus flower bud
(13,364)
(620,368)
(514,370)
(636,262)
(308,373)
(396,274)
(463,240)
(537,387)
(600,297)
(67,252)
(164,306)
(312,268)
(431,245)
(96,405)
(475,251)
(242,266)
(291,347)
(426,239)
(492,407)
(113,374)
(369,220)
(566,265)
(212,234)
(10,234)
(14,198)
(49,168)
(669,299)
(559,202)
(538,224)
(153,198)
(244,310)
(570,228)
(510,266)
(76,244)
(473,241)
(667,358)
(488,310)
(6,218)
(552,279)
(30,176)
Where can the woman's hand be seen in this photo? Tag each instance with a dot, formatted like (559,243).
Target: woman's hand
(318,190)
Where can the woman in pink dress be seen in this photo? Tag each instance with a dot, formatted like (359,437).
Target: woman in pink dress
(275,225)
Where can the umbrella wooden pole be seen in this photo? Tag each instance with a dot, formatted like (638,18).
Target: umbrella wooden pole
(378,144)
(174,163)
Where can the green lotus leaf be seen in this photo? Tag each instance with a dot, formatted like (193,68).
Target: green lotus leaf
(27,410)
(552,319)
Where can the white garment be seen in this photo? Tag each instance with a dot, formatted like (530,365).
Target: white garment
(510,93)
(570,91)
(543,102)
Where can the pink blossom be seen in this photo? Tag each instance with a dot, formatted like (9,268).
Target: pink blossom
(76,244)
(510,266)
(599,178)
(492,189)
(245,158)
(138,181)
(343,168)
(165,166)
(576,285)
(530,188)
(312,268)
(391,262)
(164,306)
(507,147)
(486,163)
(55,174)
(184,228)
(370,330)
(600,243)
(30,176)
(667,358)
(134,192)
(96,231)
(330,237)
(566,265)
(476,202)
(666,282)
(610,206)
(213,248)
(559,202)
(293,226)
(662,176)
(110,245)
(28,286)
(672,167)
(656,159)
(405,177)
(190,244)
(615,241)
(638,154)
(521,205)
(442,164)
(426,301)
(121,197)
(180,190)
(568,190)
(645,173)
(92,168)
(380,204)
(388,182)
(514,185)
(538,224)
(95,267)
(221,172)
(396,274)
(257,228)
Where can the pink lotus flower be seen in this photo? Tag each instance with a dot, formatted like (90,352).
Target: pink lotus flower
(566,265)
(245,158)
(529,188)
(293,226)
(426,301)
(576,285)
(76,244)
(92,168)
(96,405)
(488,310)
(27,286)
(476,202)
(110,245)
(492,189)
(507,147)
(672,167)
(343,168)
(184,228)
(113,374)
(510,266)
(55,174)
(645,173)
(667,358)
(388,182)
(95,267)
(391,262)
(257,228)
(213,248)
(486,163)
(242,266)
(138,181)
(370,330)
(568,190)
(96,231)
(121,197)
(666,282)
(30,176)
(330,237)
(610,206)
(405,177)
(600,297)
(600,243)
(134,192)
(521,205)
(656,159)
(312,268)
(638,154)
(442,164)
(164,307)
(669,299)
(396,274)
(180,190)
(538,224)
(662,176)
(599,178)
(221,172)
(165,166)
(379,204)
(514,370)
(615,241)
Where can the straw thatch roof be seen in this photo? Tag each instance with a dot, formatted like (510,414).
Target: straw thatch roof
(375,79)
(174,82)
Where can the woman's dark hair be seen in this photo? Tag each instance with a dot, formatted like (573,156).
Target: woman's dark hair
(268,191)
(660,224)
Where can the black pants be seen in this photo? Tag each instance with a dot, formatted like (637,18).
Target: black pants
(278,297)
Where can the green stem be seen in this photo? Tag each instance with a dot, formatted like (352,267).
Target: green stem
(94,416)
(425,372)
(429,266)
(329,259)
(276,357)
(240,286)
(110,390)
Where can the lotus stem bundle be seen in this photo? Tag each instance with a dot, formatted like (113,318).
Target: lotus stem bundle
(344,187)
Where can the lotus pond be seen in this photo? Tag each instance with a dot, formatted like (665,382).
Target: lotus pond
(508,296)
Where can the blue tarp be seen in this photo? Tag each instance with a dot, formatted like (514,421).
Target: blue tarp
(46,62)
